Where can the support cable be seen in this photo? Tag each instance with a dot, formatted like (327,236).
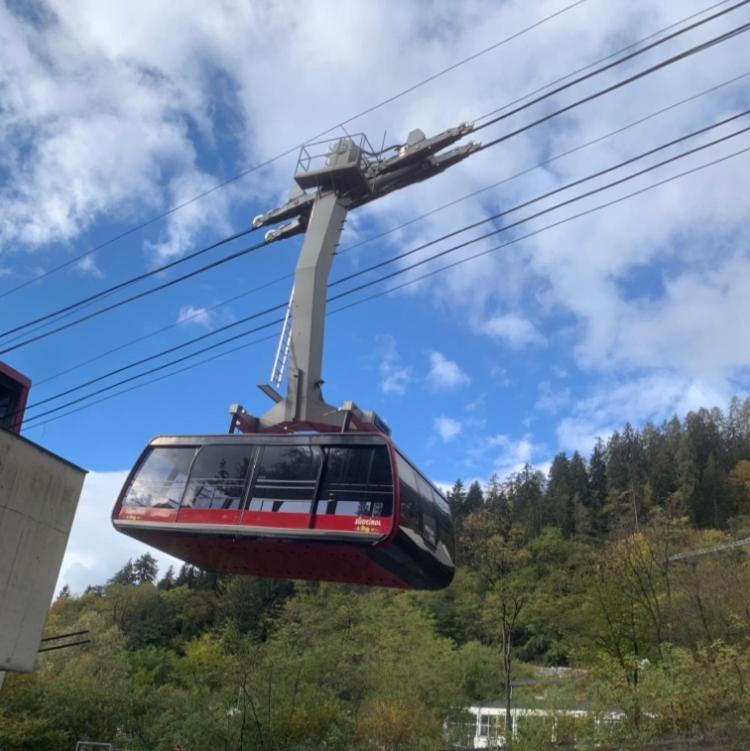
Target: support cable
(386,277)
(676,58)
(64,327)
(267,162)
(662,64)
(613,87)
(508,113)
(567,186)
(128,282)
(161,330)
(372,238)
(543,163)
(428,274)
(590,65)
(435,241)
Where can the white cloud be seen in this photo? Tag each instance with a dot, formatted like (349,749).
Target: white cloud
(394,377)
(103,116)
(89,267)
(193,217)
(552,398)
(514,453)
(513,330)
(656,396)
(197,316)
(95,550)
(447,428)
(445,373)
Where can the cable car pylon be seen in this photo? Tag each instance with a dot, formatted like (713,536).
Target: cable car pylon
(346,175)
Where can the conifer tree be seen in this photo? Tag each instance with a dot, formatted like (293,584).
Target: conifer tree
(457,500)
(126,575)
(168,580)
(145,569)
(474,498)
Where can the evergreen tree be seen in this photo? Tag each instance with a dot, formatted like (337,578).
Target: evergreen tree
(474,498)
(145,569)
(525,492)
(457,501)
(736,430)
(187,576)
(661,448)
(701,469)
(579,479)
(168,580)
(126,575)
(558,498)
(598,475)
(496,502)
(617,464)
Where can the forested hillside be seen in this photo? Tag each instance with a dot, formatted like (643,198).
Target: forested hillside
(571,569)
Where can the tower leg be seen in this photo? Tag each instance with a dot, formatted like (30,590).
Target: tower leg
(304,401)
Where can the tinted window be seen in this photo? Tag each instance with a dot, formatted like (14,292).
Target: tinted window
(409,494)
(357,481)
(286,479)
(429,520)
(445,528)
(161,478)
(217,479)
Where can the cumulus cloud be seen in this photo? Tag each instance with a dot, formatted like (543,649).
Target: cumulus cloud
(513,330)
(394,376)
(447,428)
(95,550)
(103,116)
(196,315)
(445,373)
(654,396)
(552,398)
(514,453)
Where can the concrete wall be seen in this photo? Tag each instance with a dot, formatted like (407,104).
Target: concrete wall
(39,493)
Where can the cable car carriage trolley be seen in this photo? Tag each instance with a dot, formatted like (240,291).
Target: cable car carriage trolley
(307,491)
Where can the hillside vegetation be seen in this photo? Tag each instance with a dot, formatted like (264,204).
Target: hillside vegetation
(570,569)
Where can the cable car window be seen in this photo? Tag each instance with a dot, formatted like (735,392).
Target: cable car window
(429,520)
(357,481)
(409,494)
(217,478)
(160,480)
(445,534)
(440,502)
(286,479)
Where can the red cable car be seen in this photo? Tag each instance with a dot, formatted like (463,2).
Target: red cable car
(342,507)
(14,392)
(309,491)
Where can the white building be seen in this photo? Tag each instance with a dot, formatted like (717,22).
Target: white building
(488,728)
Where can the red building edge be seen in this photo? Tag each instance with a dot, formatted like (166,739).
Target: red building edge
(14,394)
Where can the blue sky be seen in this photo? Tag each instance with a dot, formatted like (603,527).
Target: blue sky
(112,113)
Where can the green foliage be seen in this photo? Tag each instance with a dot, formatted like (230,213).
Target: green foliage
(573,569)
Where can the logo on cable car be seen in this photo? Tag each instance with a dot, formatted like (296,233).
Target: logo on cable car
(364,524)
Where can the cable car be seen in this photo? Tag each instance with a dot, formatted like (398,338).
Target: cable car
(307,490)
(341,507)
